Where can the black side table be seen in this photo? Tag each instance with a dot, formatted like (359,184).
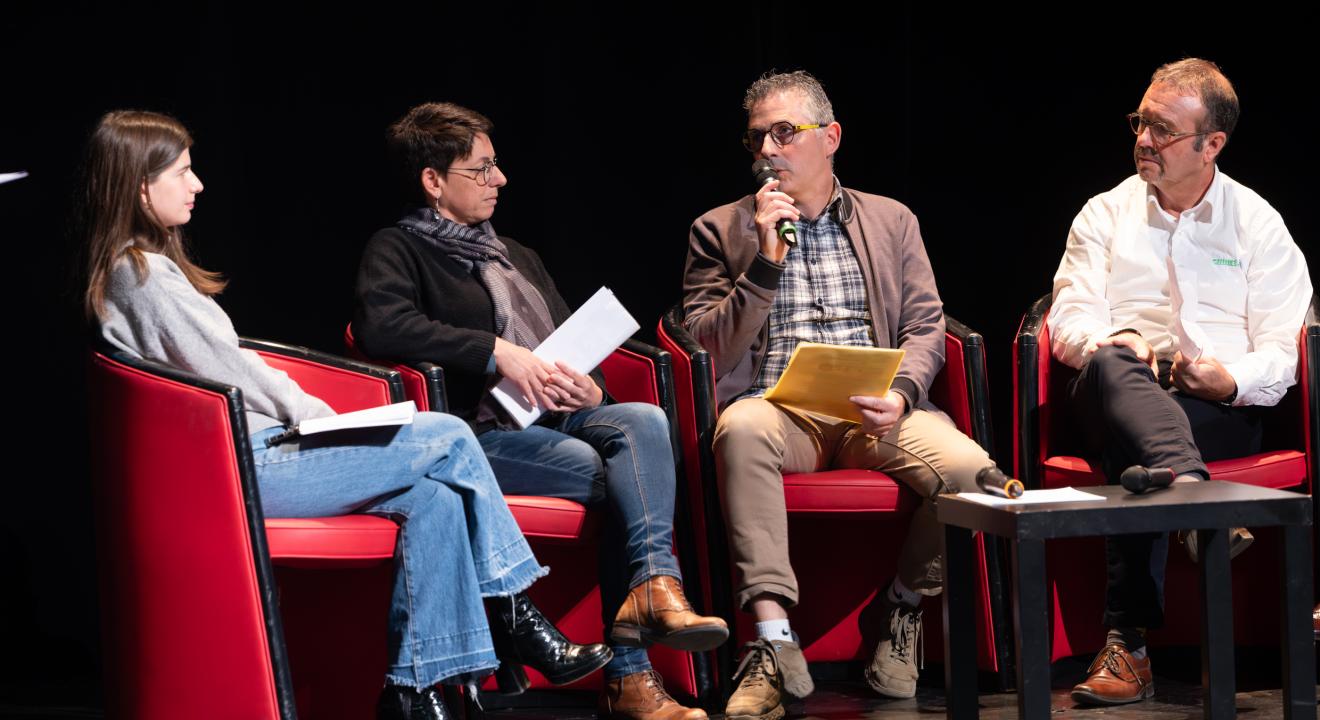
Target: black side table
(1212,506)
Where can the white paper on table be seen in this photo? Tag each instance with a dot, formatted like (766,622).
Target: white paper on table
(10,177)
(397,414)
(1033,497)
(1192,340)
(597,329)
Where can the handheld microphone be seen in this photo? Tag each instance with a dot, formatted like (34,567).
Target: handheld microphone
(1138,479)
(993,481)
(764,172)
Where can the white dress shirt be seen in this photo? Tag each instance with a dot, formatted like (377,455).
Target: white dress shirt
(1241,281)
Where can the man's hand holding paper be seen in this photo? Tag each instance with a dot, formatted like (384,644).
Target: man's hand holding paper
(831,379)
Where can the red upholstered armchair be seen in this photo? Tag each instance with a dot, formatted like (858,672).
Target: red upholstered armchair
(564,533)
(1046,455)
(200,591)
(832,512)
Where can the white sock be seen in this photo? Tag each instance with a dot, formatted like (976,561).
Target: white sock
(774,630)
(899,593)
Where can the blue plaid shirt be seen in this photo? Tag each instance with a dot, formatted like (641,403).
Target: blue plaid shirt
(821,296)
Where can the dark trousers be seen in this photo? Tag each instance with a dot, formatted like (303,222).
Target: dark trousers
(1128,417)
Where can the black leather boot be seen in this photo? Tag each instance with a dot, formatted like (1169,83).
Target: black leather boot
(399,702)
(523,636)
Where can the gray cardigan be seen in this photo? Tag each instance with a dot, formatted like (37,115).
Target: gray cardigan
(162,317)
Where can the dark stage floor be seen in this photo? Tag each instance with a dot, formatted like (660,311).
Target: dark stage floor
(849,700)
(845,701)
(1177,696)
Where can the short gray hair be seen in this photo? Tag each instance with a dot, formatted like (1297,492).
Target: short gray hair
(801,81)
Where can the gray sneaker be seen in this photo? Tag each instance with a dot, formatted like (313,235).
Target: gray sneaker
(893,670)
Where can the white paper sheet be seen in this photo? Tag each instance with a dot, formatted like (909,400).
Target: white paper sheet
(593,332)
(396,414)
(1033,497)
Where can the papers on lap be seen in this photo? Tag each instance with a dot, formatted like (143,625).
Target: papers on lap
(820,378)
(584,340)
(383,416)
(397,414)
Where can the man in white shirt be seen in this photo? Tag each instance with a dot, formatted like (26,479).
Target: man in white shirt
(1179,298)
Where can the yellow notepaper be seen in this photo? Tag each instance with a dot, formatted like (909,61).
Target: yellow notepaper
(820,378)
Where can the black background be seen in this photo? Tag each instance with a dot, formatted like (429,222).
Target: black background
(616,127)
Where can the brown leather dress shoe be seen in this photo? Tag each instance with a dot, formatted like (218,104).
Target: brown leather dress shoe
(657,611)
(1115,678)
(642,696)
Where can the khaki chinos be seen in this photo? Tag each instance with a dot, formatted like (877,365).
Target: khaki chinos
(756,442)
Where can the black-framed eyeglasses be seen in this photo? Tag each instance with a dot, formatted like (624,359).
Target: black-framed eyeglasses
(482,176)
(781,132)
(1160,134)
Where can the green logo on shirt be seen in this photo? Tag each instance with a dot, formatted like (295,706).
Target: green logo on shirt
(1227,262)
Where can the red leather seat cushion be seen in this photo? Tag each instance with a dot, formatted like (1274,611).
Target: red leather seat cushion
(331,541)
(550,518)
(847,491)
(1278,469)
(368,539)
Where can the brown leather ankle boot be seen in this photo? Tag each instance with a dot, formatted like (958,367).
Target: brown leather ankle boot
(657,611)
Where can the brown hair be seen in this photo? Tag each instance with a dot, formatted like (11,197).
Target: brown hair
(1207,81)
(128,149)
(431,135)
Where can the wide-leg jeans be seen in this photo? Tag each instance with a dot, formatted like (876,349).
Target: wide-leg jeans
(457,541)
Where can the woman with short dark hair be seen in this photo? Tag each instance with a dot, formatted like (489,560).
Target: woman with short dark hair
(440,286)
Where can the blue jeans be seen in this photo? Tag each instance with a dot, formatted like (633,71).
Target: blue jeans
(457,540)
(619,454)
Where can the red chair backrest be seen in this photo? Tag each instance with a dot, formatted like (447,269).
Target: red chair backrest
(176,505)
(631,377)
(343,390)
(414,382)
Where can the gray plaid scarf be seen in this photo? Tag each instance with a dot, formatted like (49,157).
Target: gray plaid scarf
(521,315)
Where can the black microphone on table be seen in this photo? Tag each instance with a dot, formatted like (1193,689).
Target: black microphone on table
(764,172)
(1138,479)
(993,481)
